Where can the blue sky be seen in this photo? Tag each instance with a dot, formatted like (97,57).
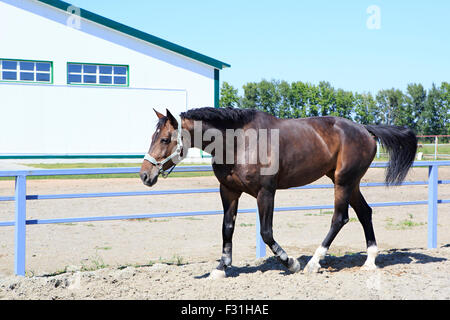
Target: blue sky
(307,41)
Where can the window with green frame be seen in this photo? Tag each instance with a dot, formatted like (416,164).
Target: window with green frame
(34,71)
(97,74)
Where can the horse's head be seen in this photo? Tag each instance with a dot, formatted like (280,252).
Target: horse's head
(164,151)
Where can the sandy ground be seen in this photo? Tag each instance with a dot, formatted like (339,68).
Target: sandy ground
(170,258)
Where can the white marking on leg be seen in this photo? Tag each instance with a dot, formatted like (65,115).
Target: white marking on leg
(313,264)
(217,274)
(372,253)
(283,256)
(295,267)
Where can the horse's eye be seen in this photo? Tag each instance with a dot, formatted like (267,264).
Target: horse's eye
(165,140)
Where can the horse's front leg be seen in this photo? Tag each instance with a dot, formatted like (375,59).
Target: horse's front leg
(265,201)
(230,201)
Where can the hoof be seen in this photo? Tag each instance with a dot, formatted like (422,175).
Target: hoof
(294,265)
(217,274)
(312,267)
(369,267)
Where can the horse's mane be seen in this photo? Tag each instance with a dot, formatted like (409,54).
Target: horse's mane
(221,117)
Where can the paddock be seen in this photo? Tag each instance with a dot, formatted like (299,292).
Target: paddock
(91,259)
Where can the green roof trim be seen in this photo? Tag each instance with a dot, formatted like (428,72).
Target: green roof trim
(139,34)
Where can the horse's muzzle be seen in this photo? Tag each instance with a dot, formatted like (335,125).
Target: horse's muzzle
(147,179)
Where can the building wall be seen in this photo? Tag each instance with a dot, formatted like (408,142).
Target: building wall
(60,118)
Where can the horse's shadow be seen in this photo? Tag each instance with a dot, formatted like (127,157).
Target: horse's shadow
(268,264)
(384,259)
(333,263)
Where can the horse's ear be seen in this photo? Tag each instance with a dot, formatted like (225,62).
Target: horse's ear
(172,119)
(158,114)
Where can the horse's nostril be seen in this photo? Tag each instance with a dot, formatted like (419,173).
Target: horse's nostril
(144,176)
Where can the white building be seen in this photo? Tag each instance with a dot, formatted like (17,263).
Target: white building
(74,82)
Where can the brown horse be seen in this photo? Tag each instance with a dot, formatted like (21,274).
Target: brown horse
(300,152)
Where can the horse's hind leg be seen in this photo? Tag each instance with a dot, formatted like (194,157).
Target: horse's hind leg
(364,213)
(340,218)
(265,201)
(230,201)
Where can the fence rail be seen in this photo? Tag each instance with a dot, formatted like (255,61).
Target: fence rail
(20,197)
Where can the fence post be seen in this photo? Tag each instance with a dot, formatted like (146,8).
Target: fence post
(432,205)
(435,147)
(20,225)
(378,149)
(260,245)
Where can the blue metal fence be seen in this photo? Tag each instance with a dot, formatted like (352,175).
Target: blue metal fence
(20,197)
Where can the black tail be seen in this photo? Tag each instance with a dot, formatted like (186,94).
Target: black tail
(401,144)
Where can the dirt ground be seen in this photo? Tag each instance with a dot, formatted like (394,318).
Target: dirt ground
(171,258)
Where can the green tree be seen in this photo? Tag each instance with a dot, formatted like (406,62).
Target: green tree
(365,108)
(427,113)
(327,98)
(299,99)
(445,97)
(228,96)
(391,107)
(344,104)
(434,115)
(269,96)
(415,99)
(313,100)
(251,96)
(285,107)
(435,119)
